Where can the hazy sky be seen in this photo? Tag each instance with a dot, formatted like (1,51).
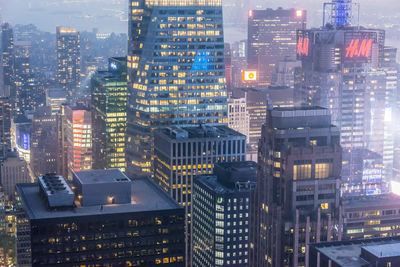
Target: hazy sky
(111,15)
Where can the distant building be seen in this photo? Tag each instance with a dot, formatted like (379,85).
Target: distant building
(13,170)
(221,208)
(108,220)
(55,98)
(272,38)
(21,136)
(297,199)
(5,126)
(182,81)
(382,252)
(238,115)
(7,61)
(43,142)
(78,138)
(68,58)
(109,94)
(180,154)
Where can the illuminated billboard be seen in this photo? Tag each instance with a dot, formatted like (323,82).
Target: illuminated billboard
(359,48)
(303,46)
(249,75)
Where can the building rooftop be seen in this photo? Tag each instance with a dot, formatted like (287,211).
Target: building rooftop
(145,197)
(371,201)
(101,176)
(348,253)
(201,131)
(57,93)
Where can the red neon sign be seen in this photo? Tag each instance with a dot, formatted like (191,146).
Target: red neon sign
(302,46)
(359,48)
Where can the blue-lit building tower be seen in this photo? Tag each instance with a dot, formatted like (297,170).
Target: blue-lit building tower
(176,71)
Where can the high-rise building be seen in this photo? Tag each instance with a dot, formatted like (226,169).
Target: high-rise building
(5,126)
(176,71)
(180,154)
(43,140)
(7,56)
(27,96)
(55,98)
(221,208)
(297,200)
(109,93)
(272,38)
(344,70)
(68,58)
(21,136)
(108,220)
(13,170)
(78,138)
(238,115)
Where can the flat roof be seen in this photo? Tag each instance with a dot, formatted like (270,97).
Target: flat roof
(101,176)
(202,131)
(347,253)
(145,197)
(384,250)
(383,200)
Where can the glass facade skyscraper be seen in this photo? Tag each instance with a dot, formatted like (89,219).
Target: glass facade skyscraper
(176,70)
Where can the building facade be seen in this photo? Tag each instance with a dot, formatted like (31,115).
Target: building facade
(7,62)
(176,71)
(13,170)
(238,115)
(68,60)
(297,200)
(221,214)
(5,126)
(109,115)
(180,154)
(272,38)
(102,227)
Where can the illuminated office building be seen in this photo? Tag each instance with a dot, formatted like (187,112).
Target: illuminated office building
(238,115)
(297,199)
(42,142)
(221,215)
(21,136)
(13,170)
(78,138)
(7,60)
(109,104)
(68,60)
(55,98)
(176,71)
(344,70)
(272,38)
(180,154)
(105,219)
(5,126)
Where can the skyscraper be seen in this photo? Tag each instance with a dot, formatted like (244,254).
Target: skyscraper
(221,208)
(109,105)
(78,138)
(5,126)
(180,154)
(7,56)
(176,71)
(344,70)
(298,189)
(68,58)
(13,170)
(272,38)
(108,220)
(238,115)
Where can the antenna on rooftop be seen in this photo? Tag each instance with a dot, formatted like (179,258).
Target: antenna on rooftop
(340,13)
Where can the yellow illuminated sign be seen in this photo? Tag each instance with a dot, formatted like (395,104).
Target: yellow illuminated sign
(249,75)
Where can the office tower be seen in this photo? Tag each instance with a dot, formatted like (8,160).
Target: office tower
(107,221)
(176,71)
(272,38)
(221,208)
(55,98)
(180,154)
(343,69)
(13,170)
(21,140)
(109,104)
(78,138)
(371,216)
(43,140)
(298,189)
(287,73)
(238,115)
(373,252)
(7,56)
(27,96)
(68,58)
(228,66)
(5,125)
